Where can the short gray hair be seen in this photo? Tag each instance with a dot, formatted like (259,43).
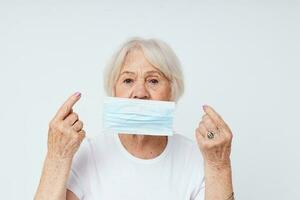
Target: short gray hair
(158,53)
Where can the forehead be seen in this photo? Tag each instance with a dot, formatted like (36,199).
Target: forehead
(136,61)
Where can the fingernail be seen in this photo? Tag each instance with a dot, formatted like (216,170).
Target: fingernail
(204,106)
(77,94)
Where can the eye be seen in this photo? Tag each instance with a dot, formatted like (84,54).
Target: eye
(127,80)
(153,81)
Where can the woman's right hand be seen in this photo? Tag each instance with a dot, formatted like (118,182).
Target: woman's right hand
(64,138)
(65,131)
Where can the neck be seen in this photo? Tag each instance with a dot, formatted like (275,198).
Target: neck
(144,146)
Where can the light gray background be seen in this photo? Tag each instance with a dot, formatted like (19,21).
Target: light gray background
(241,57)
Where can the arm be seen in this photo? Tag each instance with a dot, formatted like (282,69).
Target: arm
(53,180)
(216,149)
(218,183)
(71,195)
(64,138)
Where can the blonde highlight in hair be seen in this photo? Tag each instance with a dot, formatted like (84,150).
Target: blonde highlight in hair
(158,53)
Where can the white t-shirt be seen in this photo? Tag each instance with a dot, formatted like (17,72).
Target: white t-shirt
(103,169)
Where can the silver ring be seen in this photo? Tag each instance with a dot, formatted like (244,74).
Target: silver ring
(210,135)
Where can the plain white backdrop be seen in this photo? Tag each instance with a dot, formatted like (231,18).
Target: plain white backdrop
(241,57)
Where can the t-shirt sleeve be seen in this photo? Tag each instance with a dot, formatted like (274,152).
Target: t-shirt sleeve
(199,192)
(79,170)
(73,184)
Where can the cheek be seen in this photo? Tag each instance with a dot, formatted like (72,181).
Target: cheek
(120,91)
(163,93)
(167,93)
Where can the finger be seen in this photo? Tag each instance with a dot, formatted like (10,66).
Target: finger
(201,135)
(77,126)
(202,129)
(71,118)
(66,108)
(214,116)
(210,125)
(82,134)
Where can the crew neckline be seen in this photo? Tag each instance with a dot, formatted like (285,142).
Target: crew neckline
(141,160)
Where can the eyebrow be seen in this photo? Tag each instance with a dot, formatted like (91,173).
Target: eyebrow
(148,72)
(126,72)
(154,72)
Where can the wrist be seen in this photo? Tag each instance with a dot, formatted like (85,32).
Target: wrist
(218,171)
(219,167)
(58,165)
(58,159)
(218,180)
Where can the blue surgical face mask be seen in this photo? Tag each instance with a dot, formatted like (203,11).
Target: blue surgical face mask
(137,116)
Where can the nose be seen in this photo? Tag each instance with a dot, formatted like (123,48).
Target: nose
(140,91)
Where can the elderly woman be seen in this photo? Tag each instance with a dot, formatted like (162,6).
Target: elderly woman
(138,166)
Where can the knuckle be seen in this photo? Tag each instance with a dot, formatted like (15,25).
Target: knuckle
(206,123)
(230,136)
(66,108)
(55,126)
(201,123)
(205,145)
(199,137)
(75,136)
(222,141)
(53,123)
(209,121)
(202,129)
(78,125)
(62,127)
(75,115)
(82,134)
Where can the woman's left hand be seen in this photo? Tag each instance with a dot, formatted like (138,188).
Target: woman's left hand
(215,146)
